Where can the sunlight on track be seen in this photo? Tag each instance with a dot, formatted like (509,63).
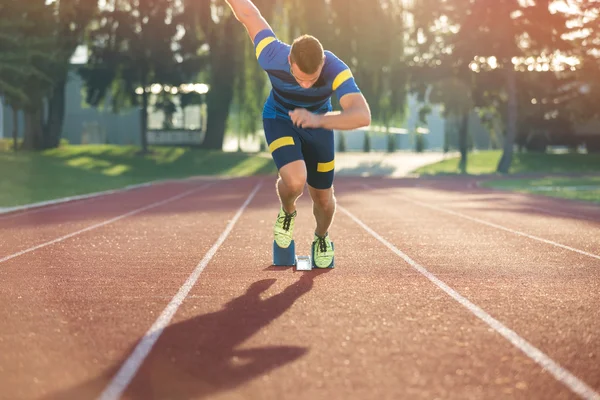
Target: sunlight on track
(110,221)
(122,379)
(562,375)
(480,221)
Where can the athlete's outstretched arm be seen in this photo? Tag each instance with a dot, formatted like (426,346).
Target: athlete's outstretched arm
(246,12)
(356,114)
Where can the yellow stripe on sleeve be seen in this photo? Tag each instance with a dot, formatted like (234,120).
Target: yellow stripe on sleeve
(284,141)
(326,167)
(341,78)
(262,44)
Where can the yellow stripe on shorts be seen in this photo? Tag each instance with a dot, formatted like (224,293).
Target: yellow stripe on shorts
(284,141)
(341,78)
(326,167)
(262,44)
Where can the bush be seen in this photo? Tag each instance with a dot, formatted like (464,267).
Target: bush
(419,142)
(592,144)
(367,143)
(391,143)
(341,142)
(6,144)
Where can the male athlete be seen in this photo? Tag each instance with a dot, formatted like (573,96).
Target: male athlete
(299,124)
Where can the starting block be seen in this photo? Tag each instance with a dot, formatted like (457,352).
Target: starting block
(303,263)
(285,257)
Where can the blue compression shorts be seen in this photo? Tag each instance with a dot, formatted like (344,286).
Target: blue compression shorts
(288,143)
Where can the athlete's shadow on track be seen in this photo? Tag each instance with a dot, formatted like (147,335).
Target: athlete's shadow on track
(199,357)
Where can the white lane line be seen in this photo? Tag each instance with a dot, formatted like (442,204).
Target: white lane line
(557,213)
(37,207)
(89,228)
(562,375)
(124,376)
(13,212)
(585,253)
(544,210)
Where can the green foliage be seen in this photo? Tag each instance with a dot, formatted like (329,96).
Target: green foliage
(420,142)
(76,170)
(27,43)
(250,93)
(484,162)
(368,36)
(469,47)
(584,188)
(135,45)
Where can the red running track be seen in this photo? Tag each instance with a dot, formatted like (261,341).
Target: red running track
(441,290)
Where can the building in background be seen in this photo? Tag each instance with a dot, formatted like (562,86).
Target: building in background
(85,124)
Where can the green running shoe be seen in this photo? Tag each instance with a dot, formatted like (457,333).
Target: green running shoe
(284,228)
(322,252)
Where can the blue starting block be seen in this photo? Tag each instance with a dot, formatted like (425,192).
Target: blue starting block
(284,257)
(287,257)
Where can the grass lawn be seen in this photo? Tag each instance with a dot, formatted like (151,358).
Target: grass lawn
(28,177)
(550,166)
(584,188)
(485,162)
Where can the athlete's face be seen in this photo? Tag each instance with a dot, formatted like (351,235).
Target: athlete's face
(305,80)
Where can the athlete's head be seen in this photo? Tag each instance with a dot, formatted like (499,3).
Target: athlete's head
(306,60)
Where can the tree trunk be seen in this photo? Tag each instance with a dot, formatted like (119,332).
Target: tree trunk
(33,136)
(463,135)
(511,125)
(220,96)
(144,121)
(56,114)
(15,132)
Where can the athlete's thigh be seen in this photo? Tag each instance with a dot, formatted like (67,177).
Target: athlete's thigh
(283,140)
(319,153)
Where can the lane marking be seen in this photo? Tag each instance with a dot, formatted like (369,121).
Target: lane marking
(37,207)
(130,367)
(32,208)
(110,221)
(562,375)
(539,239)
(546,210)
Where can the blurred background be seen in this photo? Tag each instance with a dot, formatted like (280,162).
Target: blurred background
(439,75)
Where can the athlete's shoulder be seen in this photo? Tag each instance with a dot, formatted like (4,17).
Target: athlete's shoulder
(336,72)
(270,51)
(333,64)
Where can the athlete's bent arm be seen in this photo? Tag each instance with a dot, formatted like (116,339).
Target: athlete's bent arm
(355,114)
(246,12)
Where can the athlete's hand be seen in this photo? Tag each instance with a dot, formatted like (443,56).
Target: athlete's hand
(305,119)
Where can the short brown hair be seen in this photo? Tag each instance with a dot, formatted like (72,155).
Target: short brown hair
(307,53)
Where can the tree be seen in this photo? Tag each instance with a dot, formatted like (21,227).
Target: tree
(227,61)
(49,33)
(491,38)
(456,98)
(27,53)
(20,58)
(134,44)
(72,18)
(369,37)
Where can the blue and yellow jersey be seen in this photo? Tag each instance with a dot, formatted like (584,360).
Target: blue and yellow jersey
(286,94)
